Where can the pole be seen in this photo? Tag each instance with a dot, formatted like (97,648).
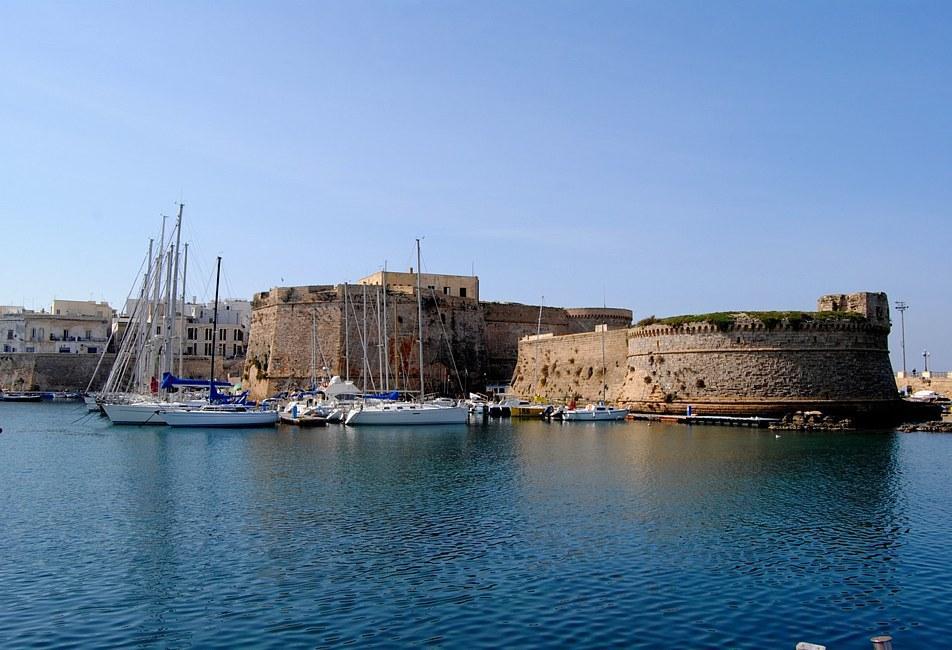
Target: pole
(380,331)
(174,290)
(539,326)
(182,317)
(902,307)
(419,316)
(346,338)
(386,348)
(365,368)
(211,381)
(925,361)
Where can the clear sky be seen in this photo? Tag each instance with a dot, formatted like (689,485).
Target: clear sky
(663,156)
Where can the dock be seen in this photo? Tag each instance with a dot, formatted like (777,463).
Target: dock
(715,420)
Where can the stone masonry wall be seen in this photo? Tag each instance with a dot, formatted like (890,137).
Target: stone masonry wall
(836,366)
(560,368)
(29,371)
(829,365)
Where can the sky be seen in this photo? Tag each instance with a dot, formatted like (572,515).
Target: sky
(668,157)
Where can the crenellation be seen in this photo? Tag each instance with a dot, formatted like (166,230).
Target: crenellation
(749,365)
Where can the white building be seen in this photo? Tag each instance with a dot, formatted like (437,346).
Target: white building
(69,327)
(195,333)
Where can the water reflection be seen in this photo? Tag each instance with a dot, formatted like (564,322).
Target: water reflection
(510,533)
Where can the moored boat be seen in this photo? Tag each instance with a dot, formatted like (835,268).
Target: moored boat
(401,413)
(594,412)
(21,397)
(219,416)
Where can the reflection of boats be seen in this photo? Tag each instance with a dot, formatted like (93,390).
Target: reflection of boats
(592,412)
(229,416)
(21,397)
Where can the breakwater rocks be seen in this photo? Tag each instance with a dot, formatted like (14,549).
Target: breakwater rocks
(812,421)
(938,426)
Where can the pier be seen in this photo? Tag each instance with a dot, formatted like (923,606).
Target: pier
(717,420)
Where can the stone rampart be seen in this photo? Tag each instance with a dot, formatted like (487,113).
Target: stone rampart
(483,337)
(563,368)
(767,363)
(832,366)
(32,371)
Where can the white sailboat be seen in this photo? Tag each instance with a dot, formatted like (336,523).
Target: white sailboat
(226,416)
(214,415)
(408,413)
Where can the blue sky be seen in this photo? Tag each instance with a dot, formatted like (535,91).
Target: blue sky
(672,157)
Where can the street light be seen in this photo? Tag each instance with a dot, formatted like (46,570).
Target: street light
(902,307)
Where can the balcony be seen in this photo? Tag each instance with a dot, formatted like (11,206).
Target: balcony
(79,339)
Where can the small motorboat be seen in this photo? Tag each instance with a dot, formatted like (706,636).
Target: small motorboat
(21,397)
(596,412)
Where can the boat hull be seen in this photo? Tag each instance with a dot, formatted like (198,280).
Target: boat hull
(407,415)
(136,413)
(303,420)
(594,416)
(526,411)
(220,419)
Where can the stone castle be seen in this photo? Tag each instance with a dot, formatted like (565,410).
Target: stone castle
(835,360)
(341,330)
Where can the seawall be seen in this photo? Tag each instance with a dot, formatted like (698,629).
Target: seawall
(749,367)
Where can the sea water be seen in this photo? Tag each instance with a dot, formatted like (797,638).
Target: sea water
(517,534)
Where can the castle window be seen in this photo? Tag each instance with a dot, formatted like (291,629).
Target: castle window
(462,292)
(446,291)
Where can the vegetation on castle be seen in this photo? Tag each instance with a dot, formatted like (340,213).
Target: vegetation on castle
(724,320)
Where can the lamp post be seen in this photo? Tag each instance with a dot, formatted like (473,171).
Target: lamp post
(902,307)
(925,361)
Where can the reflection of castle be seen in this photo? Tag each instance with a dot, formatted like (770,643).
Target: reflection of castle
(756,363)
(482,336)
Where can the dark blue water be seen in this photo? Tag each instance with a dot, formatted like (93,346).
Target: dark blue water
(527,534)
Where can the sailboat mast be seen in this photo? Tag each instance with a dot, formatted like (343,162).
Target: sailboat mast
(386,348)
(313,350)
(173,293)
(419,294)
(167,319)
(143,310)
(379,340)
(365,369)
(152,359)
(346,338)
(604,370)
(182,317)
(211,375)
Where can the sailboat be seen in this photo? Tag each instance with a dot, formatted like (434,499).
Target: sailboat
(409,413)
(217,415)
(143,345)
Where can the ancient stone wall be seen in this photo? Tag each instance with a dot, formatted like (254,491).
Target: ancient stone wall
(749,369)
(562,368)
(29,371)
(483,337)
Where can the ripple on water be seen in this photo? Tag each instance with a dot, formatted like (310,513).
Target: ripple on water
(512,534)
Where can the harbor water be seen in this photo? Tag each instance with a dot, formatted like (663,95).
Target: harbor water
(517,534)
